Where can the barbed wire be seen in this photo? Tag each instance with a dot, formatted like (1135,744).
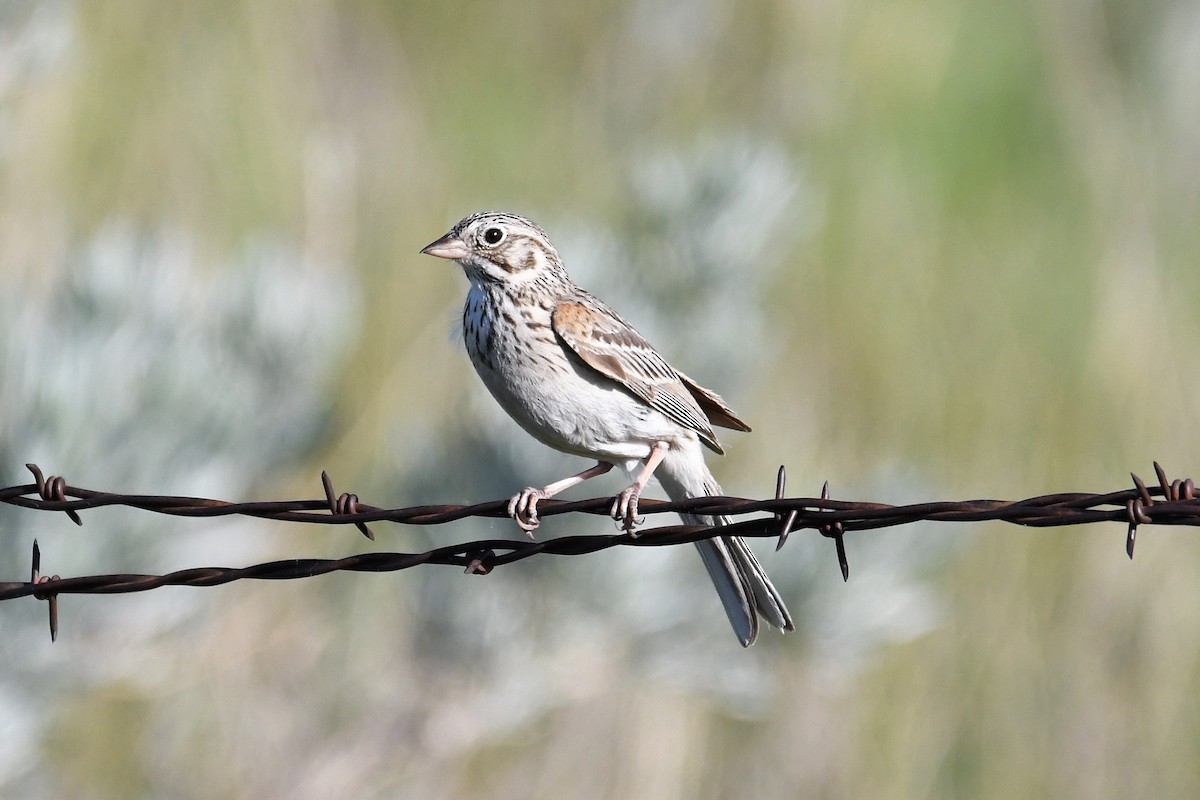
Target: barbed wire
(831,518)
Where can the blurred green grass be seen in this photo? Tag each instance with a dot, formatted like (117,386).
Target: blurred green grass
(984,284)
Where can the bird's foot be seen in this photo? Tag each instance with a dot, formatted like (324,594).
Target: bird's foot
(523,509)
(625,508)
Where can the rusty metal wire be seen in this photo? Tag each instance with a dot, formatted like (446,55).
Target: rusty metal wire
(1178,505)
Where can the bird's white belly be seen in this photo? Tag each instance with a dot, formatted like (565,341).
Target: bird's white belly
(569,412)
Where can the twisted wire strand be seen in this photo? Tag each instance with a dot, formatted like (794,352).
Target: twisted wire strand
(829,517)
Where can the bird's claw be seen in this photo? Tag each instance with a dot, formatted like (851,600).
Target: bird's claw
(523,509)
(625,508)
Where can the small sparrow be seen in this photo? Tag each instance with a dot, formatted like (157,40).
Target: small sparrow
(580,379)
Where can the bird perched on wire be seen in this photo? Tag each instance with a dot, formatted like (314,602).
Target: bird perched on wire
(580,379)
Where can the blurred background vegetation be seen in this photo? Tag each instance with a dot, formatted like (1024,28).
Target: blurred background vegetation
(929,249)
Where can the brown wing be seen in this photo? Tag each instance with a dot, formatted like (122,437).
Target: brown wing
(610,345)
(713,406)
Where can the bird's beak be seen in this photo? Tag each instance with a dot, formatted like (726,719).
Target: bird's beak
(449,246)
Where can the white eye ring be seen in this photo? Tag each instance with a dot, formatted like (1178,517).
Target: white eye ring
(491,236)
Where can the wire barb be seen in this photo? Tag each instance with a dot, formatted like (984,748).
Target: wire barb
(36,578)
(53,489)
(480,563)
(1177,490)
(1136,507)
(790,520)
(344,503)
(836,531)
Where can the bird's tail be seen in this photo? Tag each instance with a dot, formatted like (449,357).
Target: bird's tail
(745,590)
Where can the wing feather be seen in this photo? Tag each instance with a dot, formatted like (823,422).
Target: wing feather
(713,406)
(611,346)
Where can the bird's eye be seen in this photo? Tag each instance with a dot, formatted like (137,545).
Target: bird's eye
(493,236)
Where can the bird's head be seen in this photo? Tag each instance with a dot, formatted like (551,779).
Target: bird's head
(495,247)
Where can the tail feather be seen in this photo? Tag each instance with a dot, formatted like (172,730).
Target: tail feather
(767,601)
(737,595)
(745,590)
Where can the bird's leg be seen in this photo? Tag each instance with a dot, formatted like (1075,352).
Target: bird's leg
(523,505)
(625,506)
